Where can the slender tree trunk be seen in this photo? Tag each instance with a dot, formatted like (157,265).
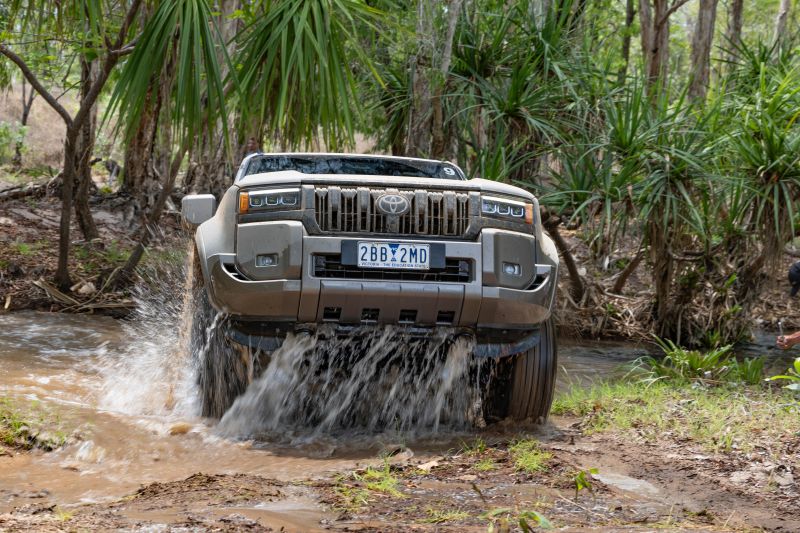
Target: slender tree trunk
(84,148)
(27,104)
(62,278)
(734,32)
(654,18)
(630,15)
(576,285)
(439,143)
(781,21)
(420,118)
(701,49)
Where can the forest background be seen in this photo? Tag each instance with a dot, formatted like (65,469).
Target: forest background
(660,136)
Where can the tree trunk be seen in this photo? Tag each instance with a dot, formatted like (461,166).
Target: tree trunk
(780,23)
(576,285)
(439,143)
(138,180)
(62,278)
(84,148)
(420,117)
(630,15)
(701,49)
(654,20)
(27,104)
(734,32)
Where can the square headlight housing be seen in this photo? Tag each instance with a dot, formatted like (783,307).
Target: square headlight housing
(269,200)
(507,209)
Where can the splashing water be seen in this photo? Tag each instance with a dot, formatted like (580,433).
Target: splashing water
(373,379)
(154,374)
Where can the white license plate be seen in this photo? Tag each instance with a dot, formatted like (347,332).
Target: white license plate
(394,255)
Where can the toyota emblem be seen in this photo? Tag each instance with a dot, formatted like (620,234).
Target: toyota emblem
(393,204)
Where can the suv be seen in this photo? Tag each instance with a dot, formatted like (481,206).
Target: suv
(304,240)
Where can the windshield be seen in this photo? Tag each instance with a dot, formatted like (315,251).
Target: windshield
(365,166)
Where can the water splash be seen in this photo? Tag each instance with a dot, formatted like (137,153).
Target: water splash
(154,374)
(374,379)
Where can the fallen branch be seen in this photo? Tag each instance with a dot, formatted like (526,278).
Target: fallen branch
(56,294)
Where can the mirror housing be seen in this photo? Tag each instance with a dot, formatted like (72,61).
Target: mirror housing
(197,208)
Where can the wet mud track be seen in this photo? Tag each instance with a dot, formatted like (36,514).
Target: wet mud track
(136,458)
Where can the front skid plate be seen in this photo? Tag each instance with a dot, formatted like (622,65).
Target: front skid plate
(270,343)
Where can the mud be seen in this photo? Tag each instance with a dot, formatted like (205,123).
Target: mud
(137,456)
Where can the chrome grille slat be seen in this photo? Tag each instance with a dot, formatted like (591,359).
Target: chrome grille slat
(353,210)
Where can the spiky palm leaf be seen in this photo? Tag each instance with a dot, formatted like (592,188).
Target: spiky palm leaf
(295,68)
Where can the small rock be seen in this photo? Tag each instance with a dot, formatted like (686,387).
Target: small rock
(429,465)
(87,289)
(181,428)
(467,477)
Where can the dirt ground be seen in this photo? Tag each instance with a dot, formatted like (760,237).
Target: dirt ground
(474,486)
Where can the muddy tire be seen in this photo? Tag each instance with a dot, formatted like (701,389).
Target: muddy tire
(521,387)
(222,366)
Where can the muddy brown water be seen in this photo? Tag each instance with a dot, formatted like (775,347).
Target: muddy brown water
(123,394)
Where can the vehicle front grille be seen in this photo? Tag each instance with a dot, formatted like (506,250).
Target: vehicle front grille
(355,210)
(330,266)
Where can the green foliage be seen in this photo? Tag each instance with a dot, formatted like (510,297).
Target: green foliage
(714,365)
(583,481)
(294,67)
(792,376)
(10,135)
(179,32)
(528,456)
(501,519)
(721,418)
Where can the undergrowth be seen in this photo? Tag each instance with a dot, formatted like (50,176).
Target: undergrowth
(29,428)
(721,418)
(682,365)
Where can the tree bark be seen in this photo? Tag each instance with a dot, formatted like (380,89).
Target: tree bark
(439,143)
(780,23)
(138,180)
(701,49)
(654,18)
(630,15)
(576,285)
(418,143)
(84,149)
(734,32)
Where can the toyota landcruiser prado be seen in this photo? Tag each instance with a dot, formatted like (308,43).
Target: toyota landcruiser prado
(304,240)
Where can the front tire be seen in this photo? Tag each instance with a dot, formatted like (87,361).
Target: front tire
(222,366)
(521,386)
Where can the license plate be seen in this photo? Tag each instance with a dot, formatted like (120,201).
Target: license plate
(394,255)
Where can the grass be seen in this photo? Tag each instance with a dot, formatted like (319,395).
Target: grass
(23,428)
(476,447)
(720,418)
(441,516)
(381,480)
(355,496)
(485,465)
(528,456)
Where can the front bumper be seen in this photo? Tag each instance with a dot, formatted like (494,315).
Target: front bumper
(481,303)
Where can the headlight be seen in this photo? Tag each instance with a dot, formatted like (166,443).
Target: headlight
(503,208)
(269,200)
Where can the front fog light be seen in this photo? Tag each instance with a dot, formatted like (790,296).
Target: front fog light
(266,260)
(512,269)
